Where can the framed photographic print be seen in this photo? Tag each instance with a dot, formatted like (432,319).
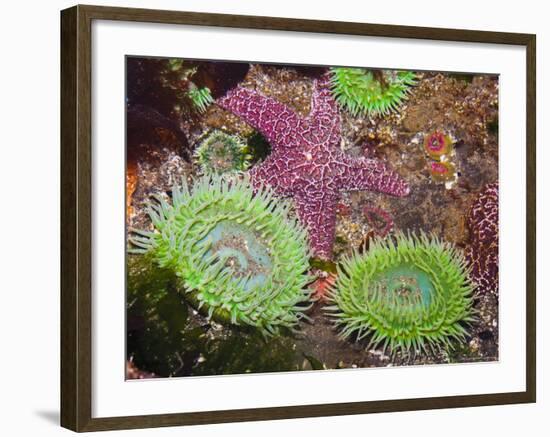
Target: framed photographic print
(287,218)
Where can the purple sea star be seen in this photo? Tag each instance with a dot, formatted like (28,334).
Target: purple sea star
(306,162)
(482,253)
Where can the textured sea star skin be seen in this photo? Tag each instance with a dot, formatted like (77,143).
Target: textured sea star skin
(482,253)
(306,162)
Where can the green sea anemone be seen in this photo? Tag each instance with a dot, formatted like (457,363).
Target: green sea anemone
(239,256)
(201,97)
(408,294)
(370,92)
(222,153)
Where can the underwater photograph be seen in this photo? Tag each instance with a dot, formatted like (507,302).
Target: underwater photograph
(301,218)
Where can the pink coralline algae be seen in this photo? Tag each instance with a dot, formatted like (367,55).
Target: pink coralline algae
(306,162)
(482,254)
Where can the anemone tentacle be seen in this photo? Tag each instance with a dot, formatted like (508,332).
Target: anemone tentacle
(411,294)
(306,162)
(201,97)
(219,152)
(239,256)
(370,92)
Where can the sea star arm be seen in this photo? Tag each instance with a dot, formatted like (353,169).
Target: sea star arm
(317,211)
(357,174)
(324,119)
(321,98)
(272,173)
(275,121)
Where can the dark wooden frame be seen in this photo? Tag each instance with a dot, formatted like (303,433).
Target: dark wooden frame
(76,218)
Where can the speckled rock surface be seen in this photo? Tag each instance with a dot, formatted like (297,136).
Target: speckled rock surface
(465,107)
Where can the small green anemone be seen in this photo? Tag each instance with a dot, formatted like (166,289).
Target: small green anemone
(201,97)
(408,294)
(220,153)
(370,92)
(239,256)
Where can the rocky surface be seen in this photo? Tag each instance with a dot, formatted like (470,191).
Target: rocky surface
(173,340)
